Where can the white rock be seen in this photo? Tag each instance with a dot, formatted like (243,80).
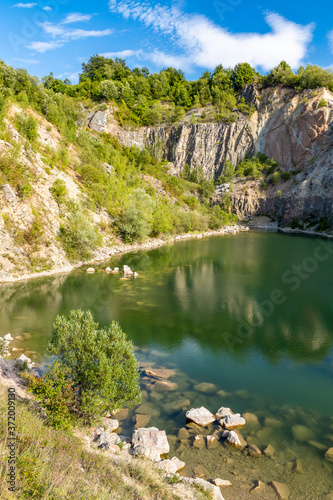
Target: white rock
(111,424)
(234,439)
(151,437)
(171,466)
(108,270)
(9,193)
(91,270)
(223,412)
(200,416)
(8,337)
(145,451)
(234,421)
(135,275)
(19,362)
(211,488)
(106,438)
(221,483)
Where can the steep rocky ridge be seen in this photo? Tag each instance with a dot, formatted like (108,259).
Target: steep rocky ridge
(295,129)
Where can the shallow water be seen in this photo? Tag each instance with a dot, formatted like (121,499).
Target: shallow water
(205,309)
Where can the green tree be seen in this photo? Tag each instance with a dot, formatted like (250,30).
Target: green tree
(99,362)
(281,74)
(228,172)
(136,222)
(242,74)
(109,89)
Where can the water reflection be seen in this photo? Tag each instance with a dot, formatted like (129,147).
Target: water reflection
(210,290)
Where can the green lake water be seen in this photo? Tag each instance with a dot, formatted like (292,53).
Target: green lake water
(233,311)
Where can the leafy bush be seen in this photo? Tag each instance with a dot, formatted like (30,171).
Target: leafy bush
(323,224)
(322,103)
(78,236)
(96,370)
(275,179)
(136,221)
(3,348)
(55,391)
(27,126)
(285,176)
(59,190)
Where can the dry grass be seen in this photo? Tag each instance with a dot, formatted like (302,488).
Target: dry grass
(53,465)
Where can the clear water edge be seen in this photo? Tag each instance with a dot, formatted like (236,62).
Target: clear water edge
(184,312)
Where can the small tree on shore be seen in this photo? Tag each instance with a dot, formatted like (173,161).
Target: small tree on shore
(98,362)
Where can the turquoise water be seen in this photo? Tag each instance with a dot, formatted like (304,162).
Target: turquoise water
(229,310)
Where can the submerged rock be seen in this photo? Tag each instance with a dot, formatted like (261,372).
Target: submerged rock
(269,451)
(273,422)
(177,405)
(183,433)
(281,490)
(303,434)
(164,385)
(258,487)
(221,483)
(212,442)
(200,416)
(205,387)
(251,418)
(329,455)
(141,420)
(199,442)
(147,409)
(160,374)
(254,451)
(298,466)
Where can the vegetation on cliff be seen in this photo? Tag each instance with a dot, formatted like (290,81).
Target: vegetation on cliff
(149,99)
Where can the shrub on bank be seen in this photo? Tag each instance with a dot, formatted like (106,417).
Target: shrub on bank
(95,372)
(79,237)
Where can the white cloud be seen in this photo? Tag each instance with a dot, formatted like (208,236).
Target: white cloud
(44,46)
(61,34)
(123,54)
(205,44)
(25,5)
(47,8)
(73,77)
(26,61)
(55,30)
(76,17)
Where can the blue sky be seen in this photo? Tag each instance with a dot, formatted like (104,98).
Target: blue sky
(58,35)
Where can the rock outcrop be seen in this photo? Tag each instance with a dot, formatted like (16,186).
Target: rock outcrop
(293,128)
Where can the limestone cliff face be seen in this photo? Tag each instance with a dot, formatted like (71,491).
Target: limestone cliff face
(295,129)
(205,145)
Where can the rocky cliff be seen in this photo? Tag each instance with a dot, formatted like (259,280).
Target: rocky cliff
(295,129)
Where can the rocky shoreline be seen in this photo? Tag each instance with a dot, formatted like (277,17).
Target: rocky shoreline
(105,254)
(219,451)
